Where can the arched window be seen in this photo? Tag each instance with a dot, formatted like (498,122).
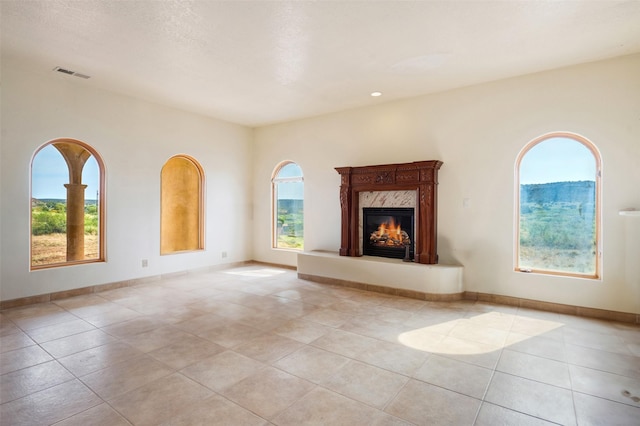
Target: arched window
(287,189)
(181,212)
(67,204)
(558,206)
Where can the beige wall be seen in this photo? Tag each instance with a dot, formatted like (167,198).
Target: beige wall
(135,139)
(477,132)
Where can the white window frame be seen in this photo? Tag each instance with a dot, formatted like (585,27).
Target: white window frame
(275,180)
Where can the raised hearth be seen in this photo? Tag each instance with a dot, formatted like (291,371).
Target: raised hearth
(419,176)
(426,282)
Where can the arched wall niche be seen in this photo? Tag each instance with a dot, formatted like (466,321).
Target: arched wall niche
(181,223)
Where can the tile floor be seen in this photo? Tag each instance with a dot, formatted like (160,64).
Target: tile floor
(257,346)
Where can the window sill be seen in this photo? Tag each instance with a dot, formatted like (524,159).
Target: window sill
(557,274)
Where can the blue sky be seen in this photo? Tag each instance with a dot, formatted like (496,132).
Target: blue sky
(290,190)
(50,173)
(557,160)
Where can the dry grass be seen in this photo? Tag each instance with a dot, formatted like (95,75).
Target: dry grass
(572,261)
(52,248)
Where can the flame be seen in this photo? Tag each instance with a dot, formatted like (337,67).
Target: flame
(390,229)
(394,230)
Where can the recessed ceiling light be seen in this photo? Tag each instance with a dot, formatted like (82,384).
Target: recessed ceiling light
(376,94)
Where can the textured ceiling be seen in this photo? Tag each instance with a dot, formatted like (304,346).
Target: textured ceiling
(261,62)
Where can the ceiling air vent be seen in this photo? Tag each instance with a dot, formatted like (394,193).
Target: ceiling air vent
(73,73)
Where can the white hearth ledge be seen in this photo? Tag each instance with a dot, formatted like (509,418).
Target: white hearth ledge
(382,272)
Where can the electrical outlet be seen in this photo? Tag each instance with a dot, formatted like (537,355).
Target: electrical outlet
(224,254)
(145,263)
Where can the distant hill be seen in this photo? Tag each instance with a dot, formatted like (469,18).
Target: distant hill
(558,192)
(291,206)
(58,200)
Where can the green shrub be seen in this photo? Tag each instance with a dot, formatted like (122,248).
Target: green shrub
(47,222)
(91,224)
(50,217)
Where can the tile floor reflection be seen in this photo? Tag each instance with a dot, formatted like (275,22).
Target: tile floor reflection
(255,345)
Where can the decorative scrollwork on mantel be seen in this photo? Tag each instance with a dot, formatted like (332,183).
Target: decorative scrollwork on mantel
(359,179)
(344,191)
(384,177)
(408,176)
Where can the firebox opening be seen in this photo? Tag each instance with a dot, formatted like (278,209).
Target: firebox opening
(388,232)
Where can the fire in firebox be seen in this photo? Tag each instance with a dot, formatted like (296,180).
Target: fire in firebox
(390,234)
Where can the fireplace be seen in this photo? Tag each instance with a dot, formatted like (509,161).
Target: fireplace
(419,178)
(388,232)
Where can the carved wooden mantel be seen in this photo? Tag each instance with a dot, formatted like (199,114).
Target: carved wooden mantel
(421,176)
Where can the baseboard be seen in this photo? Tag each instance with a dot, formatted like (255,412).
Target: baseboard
(558,308)
(274,265)
(485,297)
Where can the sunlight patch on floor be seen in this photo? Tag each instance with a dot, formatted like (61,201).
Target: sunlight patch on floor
(483,333)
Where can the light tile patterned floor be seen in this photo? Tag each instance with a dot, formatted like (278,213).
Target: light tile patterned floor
(257,346)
